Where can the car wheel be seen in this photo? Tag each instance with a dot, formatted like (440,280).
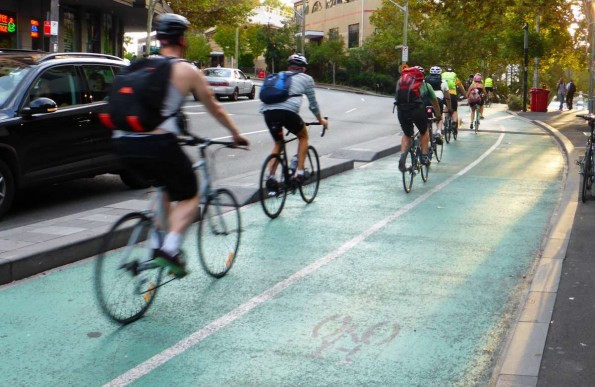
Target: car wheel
(252,93)
(133,181)
(234,96)
(7,188)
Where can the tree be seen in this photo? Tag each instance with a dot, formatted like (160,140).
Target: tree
(330,53)
(204,14)
(198,48)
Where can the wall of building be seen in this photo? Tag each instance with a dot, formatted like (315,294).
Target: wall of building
(340,16)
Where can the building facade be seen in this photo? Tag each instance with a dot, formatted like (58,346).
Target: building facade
(81,25)
(349,19)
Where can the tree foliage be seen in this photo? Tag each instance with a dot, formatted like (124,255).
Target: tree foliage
(204,14)
(198,49)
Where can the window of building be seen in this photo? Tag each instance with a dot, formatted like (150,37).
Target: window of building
(353,36)
(93,32)
(70,32)
(317,7)
(333,34)
(108,34)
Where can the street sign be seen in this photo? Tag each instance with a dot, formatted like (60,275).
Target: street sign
(54,28)
(404,54)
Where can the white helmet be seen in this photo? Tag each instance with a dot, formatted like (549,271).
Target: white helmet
(297,60)
(420,69)
(436,70)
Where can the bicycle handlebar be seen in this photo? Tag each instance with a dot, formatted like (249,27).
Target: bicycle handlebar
(317,123)
(192,140)
(587,117)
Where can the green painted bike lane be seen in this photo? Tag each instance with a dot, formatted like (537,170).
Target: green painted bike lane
(366,286)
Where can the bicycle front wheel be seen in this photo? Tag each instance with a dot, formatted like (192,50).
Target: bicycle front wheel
(219,233)
(587,174)
(126,280)
(410,170)
(309,188)
(273,190)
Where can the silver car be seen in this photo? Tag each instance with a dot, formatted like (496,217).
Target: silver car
(230,83)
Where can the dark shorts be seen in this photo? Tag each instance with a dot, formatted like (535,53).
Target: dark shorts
(410,115)
(160,160)
(454,102)
(276,120)
(489,89)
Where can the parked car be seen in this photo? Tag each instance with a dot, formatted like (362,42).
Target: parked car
(48,119)
(230,83)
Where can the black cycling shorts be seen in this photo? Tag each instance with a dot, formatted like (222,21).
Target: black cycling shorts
(412,114)
(160,160)
(278,119)
(454,102)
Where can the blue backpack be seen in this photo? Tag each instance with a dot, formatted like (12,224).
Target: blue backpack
(275,88)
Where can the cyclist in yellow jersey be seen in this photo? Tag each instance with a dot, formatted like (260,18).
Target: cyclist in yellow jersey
(489,85)
(454,83)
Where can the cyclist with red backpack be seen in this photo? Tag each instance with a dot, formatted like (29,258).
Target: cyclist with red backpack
(150,148)
(412,94)
(442,93)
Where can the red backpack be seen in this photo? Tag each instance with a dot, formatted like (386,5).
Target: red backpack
(409,87)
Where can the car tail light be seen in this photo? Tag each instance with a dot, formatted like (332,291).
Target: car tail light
(221,83)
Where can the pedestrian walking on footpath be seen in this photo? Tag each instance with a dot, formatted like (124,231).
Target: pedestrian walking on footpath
(561,91)
(570,90)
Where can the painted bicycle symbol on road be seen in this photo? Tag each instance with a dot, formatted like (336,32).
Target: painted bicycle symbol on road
(340,333)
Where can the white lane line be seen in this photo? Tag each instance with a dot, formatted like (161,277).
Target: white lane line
(182,346)
(350,110)
(243,134)
(193,113)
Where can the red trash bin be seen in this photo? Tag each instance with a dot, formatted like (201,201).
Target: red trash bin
(539,99)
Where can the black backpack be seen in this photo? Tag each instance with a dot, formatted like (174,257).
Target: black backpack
(137,95)
(435,80)
(275,88)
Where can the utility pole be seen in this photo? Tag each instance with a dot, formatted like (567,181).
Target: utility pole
(150,12)
(525,66)
(54,17)
(237,51)
(405,49)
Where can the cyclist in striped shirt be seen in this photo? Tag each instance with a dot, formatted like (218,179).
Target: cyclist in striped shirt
(286,113)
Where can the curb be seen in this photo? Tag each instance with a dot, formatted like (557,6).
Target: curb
(525,342)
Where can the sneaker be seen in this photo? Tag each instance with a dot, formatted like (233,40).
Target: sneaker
(425,160)
(481,117)
(272,184)
(471,127)
(438,139)
(402,161)
(301,179)
(176,263)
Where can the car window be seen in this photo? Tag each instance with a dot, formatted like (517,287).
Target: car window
(10,77)
(99,81)
(241,75)
(61,84)
(221,73)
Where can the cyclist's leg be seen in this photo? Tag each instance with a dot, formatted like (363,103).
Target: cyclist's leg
(302,149)
(472,117)
(406,122)
(454,103)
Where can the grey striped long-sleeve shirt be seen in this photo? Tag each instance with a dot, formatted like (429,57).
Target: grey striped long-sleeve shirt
(300,84)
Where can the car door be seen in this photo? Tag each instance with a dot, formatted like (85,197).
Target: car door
(55,144)
(243,84)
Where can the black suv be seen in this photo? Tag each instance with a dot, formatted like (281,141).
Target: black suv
(49,130)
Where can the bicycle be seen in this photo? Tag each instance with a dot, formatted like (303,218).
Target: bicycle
(413,164)
(276,183)
(587,163)
(126,276)
(476,118)
(435,148)
(488,100)
(448,127)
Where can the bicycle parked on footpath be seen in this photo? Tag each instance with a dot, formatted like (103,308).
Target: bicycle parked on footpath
(276,183)
(587,162)
(126,276)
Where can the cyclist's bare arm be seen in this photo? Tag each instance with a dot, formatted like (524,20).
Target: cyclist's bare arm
(187,79)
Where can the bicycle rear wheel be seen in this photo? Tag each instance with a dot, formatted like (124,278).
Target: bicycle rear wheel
(409,172)
(309,188)
(447,129)
(437,148)
(455,129)
(126,281)
(273,191)
(476,127)
(219,233)
(587,174)
(425,169)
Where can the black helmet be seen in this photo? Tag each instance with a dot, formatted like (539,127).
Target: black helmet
(297,60)
(171,26)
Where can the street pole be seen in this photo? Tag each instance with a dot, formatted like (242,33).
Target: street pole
(536,69)
(591,69)
(54,17)
(237,51)
(525,66)
(405,10)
